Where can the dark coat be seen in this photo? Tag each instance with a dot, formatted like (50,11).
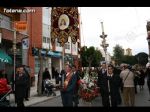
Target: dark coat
(20,86)
(142,78)
(46,75)
(67,95)
(114,88)
(27,73)
(102,80)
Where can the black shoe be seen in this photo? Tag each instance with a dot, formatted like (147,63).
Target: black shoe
(26,99)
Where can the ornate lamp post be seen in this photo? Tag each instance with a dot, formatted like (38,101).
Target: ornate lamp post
(104,44)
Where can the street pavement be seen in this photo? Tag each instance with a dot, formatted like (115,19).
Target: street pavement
(141,100)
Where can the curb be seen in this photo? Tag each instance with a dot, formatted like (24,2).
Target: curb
(38,99)
(49,98)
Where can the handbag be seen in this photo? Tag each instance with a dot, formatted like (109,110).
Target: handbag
(125,80)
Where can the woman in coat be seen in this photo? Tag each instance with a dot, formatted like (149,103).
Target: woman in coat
(20,87)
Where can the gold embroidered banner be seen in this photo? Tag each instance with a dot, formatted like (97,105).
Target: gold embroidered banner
(64,23)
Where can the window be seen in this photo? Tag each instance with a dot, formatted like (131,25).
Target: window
(5,21)
(67,45)
(74,49)
(44,39)
(48,40)
(57,44)
(37,65)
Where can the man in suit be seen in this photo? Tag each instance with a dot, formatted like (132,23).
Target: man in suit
(76,97)
(102,81)
(68,86)
(27,73)
(109,86)
(20,86)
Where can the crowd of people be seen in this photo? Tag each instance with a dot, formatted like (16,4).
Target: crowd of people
(19,83)
(124,79)
(118,85)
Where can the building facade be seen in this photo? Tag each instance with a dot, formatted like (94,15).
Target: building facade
(38,35)
(128,52)
(7,21)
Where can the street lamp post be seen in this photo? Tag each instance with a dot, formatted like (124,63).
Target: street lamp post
(14,50)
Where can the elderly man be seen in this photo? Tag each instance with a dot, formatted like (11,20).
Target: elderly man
(68,86)
(127,77)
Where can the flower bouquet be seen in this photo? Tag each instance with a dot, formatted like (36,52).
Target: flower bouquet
(88,89)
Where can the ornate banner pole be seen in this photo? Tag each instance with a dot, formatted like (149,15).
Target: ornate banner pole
(64,24)
(105,45)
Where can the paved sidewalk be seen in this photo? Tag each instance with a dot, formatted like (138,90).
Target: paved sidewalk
(34,98)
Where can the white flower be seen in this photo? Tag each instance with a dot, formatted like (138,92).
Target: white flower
(90,84)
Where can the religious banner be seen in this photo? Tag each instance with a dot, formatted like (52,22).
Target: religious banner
(64,23)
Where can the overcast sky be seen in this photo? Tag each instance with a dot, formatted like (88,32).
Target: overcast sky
(125,26)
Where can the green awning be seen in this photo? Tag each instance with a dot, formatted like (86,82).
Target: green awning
(5,58)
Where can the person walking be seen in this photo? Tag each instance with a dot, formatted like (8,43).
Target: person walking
(46,75)
(111,85)
(141,79)
(27,73)
(56,77)
(20,87)
(76,96)
(68,86)
(102,82)
(127,77)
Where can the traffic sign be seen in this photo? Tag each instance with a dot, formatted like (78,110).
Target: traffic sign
(20,25)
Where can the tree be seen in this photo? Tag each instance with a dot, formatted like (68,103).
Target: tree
(142,58)
(90,57)
(97,59)
(129,60)
(83,56)
(118,53)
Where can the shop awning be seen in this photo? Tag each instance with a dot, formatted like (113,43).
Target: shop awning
(4,58)
(54,54)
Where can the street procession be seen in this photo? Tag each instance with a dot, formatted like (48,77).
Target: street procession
(74,57)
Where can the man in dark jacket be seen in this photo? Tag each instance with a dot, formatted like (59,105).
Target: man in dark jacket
(109,86)
(20,87)
(68,86)
(102,81)
(27,73)
(76,97)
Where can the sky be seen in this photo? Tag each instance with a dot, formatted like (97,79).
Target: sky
(125,26)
